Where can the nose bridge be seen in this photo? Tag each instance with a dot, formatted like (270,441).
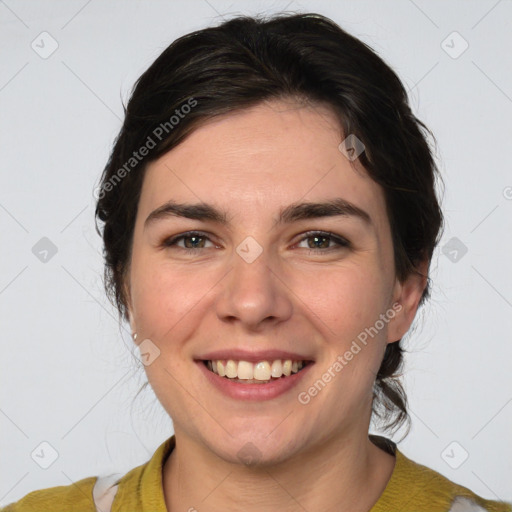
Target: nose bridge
(252,292)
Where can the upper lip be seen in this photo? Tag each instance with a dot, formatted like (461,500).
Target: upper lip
(252,356)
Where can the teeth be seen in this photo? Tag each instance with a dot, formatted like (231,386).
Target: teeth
(245,370)
(261,371)
(277,369)
(231,369)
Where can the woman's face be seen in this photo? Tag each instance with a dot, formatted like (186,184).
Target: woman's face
(254,285)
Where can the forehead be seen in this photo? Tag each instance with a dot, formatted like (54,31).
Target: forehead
(259,160)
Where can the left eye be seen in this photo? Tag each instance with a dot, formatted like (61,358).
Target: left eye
(321,240)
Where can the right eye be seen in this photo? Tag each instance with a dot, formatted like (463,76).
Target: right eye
(192,241)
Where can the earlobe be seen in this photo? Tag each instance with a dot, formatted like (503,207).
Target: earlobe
(133,327)
(131,321)
(408,295)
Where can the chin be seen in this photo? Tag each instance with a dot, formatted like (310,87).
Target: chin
(254,447)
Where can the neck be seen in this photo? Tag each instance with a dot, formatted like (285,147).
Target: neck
(335,475)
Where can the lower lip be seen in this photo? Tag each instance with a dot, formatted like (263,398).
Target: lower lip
(266,391)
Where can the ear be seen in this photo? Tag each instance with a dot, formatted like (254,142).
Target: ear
(131,321)
(406,298)
(128,302)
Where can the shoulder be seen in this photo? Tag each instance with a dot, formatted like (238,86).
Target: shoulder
(77,496)
(413,486)
(139,489)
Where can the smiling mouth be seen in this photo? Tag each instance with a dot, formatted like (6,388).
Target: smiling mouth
(262,372)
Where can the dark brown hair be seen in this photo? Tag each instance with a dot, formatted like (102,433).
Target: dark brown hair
(243,62)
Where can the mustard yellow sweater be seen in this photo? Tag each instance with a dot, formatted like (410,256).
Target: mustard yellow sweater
(411,488)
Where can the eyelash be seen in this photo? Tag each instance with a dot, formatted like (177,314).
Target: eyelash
(339,241)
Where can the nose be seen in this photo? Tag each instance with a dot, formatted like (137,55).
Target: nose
(254,294)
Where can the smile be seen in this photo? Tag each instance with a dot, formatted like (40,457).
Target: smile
(254,373)
(254,381)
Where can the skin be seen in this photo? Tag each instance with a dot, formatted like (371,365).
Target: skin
(294,297)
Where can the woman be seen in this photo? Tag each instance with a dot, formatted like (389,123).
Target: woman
(269,215)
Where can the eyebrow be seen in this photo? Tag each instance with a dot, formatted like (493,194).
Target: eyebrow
(291,213)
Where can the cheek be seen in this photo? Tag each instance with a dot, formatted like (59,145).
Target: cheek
(347,304)
(345,300)
(166,300)
(169,305)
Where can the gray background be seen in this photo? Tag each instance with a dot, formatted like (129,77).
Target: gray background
(67,372)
